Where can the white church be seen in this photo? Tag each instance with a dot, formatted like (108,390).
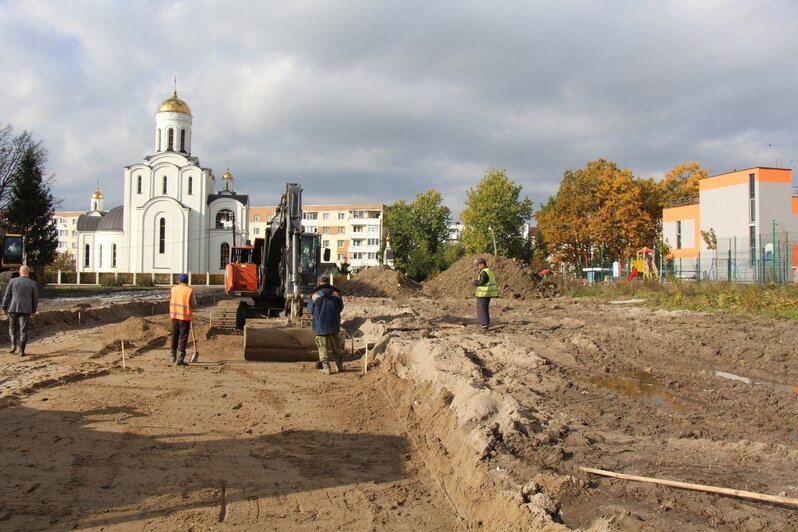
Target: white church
(173,218)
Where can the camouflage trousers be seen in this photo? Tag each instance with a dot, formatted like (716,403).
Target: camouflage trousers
(330,345)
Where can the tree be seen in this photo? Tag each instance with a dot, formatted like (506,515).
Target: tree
(418,231)
(600,209)
(12,149)
(494,212)
(30,209)
(680,185)
(64,262)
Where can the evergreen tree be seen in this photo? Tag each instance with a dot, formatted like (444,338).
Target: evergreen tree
(30,209)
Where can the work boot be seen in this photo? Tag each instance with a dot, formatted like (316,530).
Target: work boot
(13,349)
(22,350)
(180,359)
(172,357)
(325,368)
(339,365)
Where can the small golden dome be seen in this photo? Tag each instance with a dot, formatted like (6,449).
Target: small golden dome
(228,174)
(174,105)
(97,195)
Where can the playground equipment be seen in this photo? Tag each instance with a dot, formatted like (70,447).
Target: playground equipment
(644,265)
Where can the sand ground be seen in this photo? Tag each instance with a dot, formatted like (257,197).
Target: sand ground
(451,428)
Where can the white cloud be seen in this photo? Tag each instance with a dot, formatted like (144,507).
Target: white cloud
(365,101)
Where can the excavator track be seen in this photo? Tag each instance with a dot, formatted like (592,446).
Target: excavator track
(225,315)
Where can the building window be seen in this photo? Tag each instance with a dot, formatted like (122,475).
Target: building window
(341,229)
(310,215)
(113,256)
(325,243)
(374,242)
(257,217)
(224,256)
(358,228)
(325,216)
(325,230)
(87,257)
(679,235)
(752,197)
(99,255)
(257,230)
(170,139)
(224,220)
(341,243)
(162,236)
(190,185)
(357,241)
(752,243)
(158,147)
(138,185)
(183,140)
(341,216)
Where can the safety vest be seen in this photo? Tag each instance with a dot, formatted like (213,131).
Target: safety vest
(180,302)
(490,289)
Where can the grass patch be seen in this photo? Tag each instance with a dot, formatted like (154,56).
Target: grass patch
(768,300)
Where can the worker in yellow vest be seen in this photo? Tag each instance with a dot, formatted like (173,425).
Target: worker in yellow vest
(181,307)
(486,289)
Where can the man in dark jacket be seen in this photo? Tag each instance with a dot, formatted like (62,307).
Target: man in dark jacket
(325,307)
(19,302)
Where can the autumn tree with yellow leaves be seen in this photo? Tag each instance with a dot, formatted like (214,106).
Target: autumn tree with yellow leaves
(600,208)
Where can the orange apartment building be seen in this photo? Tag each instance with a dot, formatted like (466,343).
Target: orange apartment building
(754,216)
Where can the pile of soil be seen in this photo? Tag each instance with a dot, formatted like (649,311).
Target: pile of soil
(513,277)
(380,281)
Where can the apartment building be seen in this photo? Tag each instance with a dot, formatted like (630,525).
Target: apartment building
(753,215)
(352,233)
(66,222)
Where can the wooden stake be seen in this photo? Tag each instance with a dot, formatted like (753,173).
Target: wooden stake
(696,487)
(366,361)
(123,354)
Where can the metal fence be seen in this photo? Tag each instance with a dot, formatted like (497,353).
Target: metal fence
(762,258)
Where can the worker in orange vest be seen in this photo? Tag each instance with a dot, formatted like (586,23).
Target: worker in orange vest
(181,307)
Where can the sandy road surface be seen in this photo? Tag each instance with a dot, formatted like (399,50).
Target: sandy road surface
(451,429)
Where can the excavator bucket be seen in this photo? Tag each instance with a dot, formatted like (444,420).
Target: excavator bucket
(266,341)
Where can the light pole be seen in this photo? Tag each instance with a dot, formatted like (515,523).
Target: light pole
(493,236)
(773,253)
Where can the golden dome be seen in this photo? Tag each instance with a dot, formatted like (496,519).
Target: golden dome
(97,195)
(228,174)
(174,105)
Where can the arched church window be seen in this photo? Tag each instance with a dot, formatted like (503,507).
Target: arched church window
(99,255)
(158,146)
(225,219)
(113,256)
(164,185)
(224,256)
(183,140)
(138,185)
(87,256)
(162,236)
(190,185)
(170,139)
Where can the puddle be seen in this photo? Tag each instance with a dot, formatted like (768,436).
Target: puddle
(748,380)
(641,385)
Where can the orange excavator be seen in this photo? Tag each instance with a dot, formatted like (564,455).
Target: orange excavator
(273,279)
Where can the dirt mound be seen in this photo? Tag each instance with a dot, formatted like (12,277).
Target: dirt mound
(513,277)
(380,281)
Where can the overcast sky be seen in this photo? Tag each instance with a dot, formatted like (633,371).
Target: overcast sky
(377,101)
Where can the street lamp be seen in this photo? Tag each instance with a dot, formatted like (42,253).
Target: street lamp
(493,236)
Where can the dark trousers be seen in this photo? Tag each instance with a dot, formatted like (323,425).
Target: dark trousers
(18,329)
(180,330)
(483,311)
